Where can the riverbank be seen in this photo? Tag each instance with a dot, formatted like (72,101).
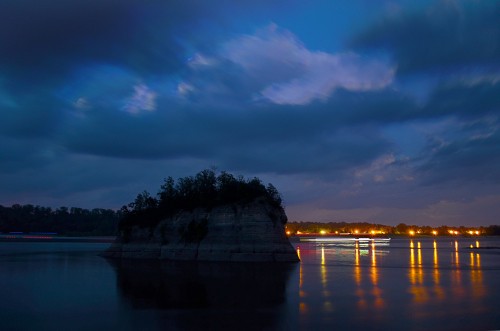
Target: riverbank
(54,238)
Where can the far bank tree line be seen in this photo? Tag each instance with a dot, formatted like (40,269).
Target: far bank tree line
(63,221)
(400,229)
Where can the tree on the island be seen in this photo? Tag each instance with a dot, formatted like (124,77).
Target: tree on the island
(204,190)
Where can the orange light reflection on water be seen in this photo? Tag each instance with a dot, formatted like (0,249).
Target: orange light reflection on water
(360,293)
(377,292)
(324,281)
(431,278)
(416,275)
(438,290)
(303,308)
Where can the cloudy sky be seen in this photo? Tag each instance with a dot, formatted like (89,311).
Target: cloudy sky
(360,110)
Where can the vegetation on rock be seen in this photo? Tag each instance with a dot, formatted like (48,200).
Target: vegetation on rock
(204,190)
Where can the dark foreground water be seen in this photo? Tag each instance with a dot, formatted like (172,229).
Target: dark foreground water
(423,284)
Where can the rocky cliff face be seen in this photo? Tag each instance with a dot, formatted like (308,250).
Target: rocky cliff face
(237,232)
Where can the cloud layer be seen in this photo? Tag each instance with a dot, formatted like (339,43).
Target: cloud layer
(99,101)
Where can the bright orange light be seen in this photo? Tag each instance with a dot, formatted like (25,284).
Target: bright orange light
(356,231)
(298,232)
(289,233)
(411,232)
(456,232)
(372,231)
(477,232)
(434,232)
(336,232)
(322,231)
(471,232)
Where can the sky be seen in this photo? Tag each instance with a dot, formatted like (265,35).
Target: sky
(379,111)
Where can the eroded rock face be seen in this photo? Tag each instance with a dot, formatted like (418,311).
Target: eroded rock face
(242,232)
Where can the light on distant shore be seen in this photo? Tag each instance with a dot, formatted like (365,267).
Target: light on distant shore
(322,232)
(411,232)
(434,232)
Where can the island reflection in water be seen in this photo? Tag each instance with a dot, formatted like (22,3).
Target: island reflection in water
(437,284)
(206,295)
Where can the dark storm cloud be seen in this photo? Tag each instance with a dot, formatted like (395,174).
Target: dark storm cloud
(328,136)
(47,47)
(442,38)
(59,32)
(29,114)
(40,41)
(40,38)
(23,154)
(471,154)
(454,49)
(466,100)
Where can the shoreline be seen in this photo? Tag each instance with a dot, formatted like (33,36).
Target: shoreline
(50,238)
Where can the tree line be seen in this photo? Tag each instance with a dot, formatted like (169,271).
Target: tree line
(400,229)
(63,221)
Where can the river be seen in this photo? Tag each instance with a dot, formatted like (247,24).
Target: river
(404,284)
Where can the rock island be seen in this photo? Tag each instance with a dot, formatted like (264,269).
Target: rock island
(206,218)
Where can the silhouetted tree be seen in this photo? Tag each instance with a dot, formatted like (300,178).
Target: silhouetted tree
(64,221)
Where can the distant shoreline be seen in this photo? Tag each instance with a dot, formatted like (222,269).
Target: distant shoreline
(50,238)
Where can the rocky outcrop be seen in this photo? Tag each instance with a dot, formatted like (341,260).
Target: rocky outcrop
(236,232)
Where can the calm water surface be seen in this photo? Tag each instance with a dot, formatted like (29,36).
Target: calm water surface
(419,284)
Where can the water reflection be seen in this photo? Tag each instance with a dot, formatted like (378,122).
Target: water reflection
(362,284)
(378,301)
(416,275)
(438,290)
(464,282)
(213,287)
(477,275)
(357,278)
(324,280)
(369,287)
(302,305)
